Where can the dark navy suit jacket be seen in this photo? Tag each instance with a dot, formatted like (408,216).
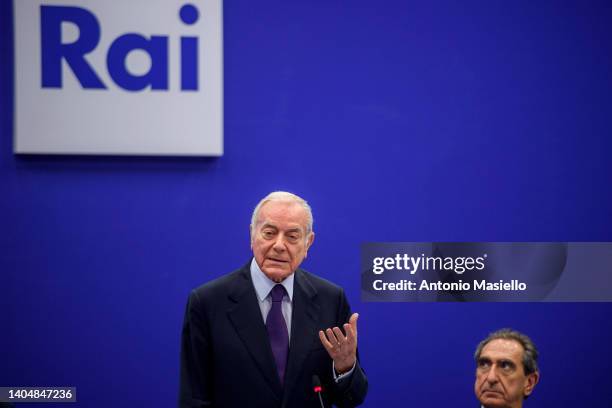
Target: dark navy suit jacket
(226,359)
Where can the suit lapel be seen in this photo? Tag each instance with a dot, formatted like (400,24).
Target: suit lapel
(303,329)
(248,323)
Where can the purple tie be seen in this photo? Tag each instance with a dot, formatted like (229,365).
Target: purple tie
(277,330)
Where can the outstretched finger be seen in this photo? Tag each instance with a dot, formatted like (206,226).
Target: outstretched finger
(328,346)
(351,336)
(339,335)
(331,336)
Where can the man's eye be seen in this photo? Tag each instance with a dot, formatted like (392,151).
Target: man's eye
(268,234)
(506,365)
(483,364)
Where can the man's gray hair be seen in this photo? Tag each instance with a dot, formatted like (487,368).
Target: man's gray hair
(530,352)
(283,196)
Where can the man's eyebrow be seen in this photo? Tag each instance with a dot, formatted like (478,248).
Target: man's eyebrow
(268,225)
(496,361)
(289,230)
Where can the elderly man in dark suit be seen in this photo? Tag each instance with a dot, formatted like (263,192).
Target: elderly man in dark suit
(267,333)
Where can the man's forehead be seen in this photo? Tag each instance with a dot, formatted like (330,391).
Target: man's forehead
(503,348)
(287,213)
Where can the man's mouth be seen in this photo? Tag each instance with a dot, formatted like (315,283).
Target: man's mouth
(493,392)
(277,260)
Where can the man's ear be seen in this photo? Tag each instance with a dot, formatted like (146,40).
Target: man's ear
(309,242)
(532,380)
(251,235)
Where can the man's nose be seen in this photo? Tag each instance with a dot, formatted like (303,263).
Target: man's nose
(279,243)
(492,375)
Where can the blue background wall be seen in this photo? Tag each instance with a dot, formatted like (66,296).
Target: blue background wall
(398,121)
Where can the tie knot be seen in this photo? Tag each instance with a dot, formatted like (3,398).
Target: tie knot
(277,293)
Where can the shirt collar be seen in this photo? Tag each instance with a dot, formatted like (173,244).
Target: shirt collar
(263,284)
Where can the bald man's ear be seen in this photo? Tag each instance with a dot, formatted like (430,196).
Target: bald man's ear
(532,380)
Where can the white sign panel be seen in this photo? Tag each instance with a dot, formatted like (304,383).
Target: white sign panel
(137,77)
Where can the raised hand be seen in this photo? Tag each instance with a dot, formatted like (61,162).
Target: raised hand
(341,348)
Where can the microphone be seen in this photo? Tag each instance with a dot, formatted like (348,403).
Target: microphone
(317,388)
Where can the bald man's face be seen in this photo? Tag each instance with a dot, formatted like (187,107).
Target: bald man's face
(279,238)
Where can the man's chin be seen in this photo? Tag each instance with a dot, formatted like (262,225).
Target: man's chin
(492,400)
(277,274)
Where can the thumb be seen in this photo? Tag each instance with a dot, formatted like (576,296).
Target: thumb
(353,321)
